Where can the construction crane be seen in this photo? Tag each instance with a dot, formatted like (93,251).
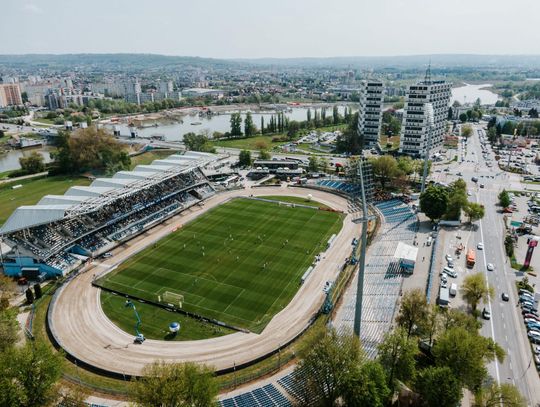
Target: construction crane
(139,338)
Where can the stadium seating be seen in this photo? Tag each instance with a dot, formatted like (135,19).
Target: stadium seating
(266,396)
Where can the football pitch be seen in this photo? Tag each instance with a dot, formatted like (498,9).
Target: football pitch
(239,263)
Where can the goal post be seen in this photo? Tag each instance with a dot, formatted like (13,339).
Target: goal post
(171,298)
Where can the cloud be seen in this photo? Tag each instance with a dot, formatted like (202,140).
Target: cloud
(32,8)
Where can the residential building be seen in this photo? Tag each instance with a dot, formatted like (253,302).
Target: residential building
(415,128)
(10,95)
(370,112)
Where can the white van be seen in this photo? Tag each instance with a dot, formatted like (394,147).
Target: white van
(453,289)
(429,240)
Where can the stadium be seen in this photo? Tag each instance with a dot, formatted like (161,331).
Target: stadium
(248,260)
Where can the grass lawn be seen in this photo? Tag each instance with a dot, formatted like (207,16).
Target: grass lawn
(394,140)
(155,321)
(251,143)
(32,191)
(240,263)
(295,199)
(149,156)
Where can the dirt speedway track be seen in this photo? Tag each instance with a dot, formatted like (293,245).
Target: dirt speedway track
(80,327)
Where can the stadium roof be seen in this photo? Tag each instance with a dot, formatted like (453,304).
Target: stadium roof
(406,252)
(84,199)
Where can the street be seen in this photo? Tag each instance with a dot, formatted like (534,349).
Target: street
(505,326)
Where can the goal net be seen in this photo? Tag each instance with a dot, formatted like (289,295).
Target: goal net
(172,299)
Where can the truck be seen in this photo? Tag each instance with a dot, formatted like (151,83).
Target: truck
(471,258)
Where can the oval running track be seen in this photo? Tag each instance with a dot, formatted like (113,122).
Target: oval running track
(81,328)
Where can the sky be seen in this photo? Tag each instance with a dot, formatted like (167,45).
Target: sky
(276,28)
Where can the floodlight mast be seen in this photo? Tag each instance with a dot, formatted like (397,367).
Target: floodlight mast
(362,261)
(428,114)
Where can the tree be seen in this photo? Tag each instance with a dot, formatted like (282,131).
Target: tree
(533,113)
(349,141)
(326,360)
(463,117)
(457,199)
(264,155)
(466,353)
(466,130)
(509,245)
(33,163)
(454,318)
(439,387)
(293,128)
(335,115)
(474,211)
(249,127)
(9,329)
(313,164)
(366,386)
(89,149)
(29,375)
(413,311)
(7,289)
(29,296)
(37,291)
(236,125)
(175,384)
(244,158)
(496,395)
(396,355)
(198,142)
(385,168)
(434,202)
(475,289)
(504,198)
(492,134)
(405,165)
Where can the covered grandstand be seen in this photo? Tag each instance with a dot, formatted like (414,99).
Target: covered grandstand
(60,231)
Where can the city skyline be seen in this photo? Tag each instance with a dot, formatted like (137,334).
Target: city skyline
(239,30)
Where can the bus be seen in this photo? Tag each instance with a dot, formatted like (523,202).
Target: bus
(471,258)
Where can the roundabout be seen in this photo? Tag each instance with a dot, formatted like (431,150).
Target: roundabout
(78,324)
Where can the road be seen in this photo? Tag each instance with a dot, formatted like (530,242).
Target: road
(505,326)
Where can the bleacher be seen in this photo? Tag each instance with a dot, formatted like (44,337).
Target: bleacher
(341,186)
(382,277)
(111,209)
(266,396)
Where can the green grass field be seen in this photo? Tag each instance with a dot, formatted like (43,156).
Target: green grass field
(240,263)
(156,320)
(32,191)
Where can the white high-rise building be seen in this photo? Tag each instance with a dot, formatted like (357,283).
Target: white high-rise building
(415,127)
(370,112)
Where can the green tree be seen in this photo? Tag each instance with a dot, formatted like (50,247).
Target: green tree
(405,165)
(326,361)
(249,127)
(385,168)
(335,115)
(434,202)
(492,135)
(198,142)
(175,384)
(349,141)
(33,163)
(236,125)
(366,386)
(438,387)
(397,356)
(244,158)
(474,211)
(264,155)
(466,130)
(475,289)
(29,296)
(454,318)
(313,163)
(293,129)
(463,117)
(457,199)
(37,291)
(509,245)
(29,375)
(9,329)
(413,311)
(504,198)
(496,395)
(466,353)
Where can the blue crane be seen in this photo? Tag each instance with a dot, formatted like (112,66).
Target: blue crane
(139,338)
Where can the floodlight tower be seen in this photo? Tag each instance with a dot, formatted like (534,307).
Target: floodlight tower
(359,177)
(429,116)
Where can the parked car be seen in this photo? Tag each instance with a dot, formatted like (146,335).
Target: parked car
(450,272)
(532,316)
(534,336)
(327,286)
(449,258)
(486,314)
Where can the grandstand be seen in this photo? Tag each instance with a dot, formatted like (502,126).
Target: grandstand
(56,235)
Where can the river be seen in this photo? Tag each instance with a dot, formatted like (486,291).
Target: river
(10,160)
(220,123)
(469,93)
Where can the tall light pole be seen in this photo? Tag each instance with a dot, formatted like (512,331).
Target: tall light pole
(362,261)
(428,115)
